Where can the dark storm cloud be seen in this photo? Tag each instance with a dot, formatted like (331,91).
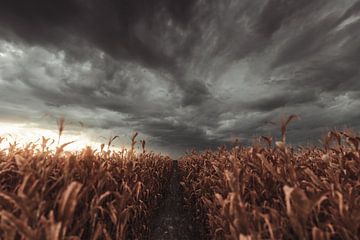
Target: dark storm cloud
(195,93)
(122,28)
(276,12)
(178,136)
(281,100)
(190,73)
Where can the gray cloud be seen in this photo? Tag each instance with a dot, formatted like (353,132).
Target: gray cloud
(186,74)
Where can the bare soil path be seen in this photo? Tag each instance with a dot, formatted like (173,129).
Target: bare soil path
(172,222)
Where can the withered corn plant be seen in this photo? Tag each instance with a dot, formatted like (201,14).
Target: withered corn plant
(273,191)
(83,195)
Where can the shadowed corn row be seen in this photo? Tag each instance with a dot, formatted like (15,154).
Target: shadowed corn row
(85,195)
(277,192)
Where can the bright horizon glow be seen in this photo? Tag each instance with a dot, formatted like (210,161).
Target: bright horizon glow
(24,134)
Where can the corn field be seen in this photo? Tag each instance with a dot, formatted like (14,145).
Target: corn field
(270,190)
(273,191)
(85,195)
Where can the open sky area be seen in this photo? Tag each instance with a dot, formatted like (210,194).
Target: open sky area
(183,73)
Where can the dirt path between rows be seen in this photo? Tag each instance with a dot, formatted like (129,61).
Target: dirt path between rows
(172,221)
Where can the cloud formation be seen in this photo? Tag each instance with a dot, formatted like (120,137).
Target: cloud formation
(186,74)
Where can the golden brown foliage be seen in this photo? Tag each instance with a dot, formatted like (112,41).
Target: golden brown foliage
(84,195)
(261,192)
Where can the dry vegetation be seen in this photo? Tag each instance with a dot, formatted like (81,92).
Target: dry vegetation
(266,191)
(272,191)
(85,195)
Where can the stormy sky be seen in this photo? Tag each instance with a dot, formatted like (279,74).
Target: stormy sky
(183,73)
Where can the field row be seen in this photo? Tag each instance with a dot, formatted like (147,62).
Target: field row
(266,191)
(86,195)
(277,192)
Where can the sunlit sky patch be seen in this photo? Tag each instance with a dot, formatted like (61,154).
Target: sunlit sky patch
(23,134)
